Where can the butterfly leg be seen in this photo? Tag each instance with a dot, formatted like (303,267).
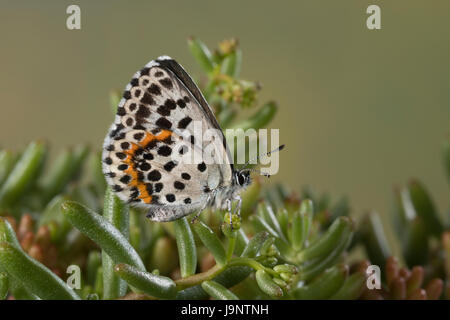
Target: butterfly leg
(197,215)
(238,206)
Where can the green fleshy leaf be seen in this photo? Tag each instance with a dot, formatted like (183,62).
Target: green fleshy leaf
(231,65)
(324,286)
(65,168)
(149,283)
(211,242)
(352,288)
(202,54)
(267,285)
(327,242)
(425,208)
(374,239)
(254,245)
(217,291)
(102,232)
(186,247)
(117,213)
(301,224)
(33,275)
(7,161)
(23,174)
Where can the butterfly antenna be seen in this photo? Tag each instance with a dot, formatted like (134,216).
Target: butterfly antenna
(260,172)
(262,155)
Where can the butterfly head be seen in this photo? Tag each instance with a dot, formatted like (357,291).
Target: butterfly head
(242,177)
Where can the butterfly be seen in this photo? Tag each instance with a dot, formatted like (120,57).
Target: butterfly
(159,109)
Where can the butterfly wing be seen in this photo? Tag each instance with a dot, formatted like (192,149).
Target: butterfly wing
(157,124)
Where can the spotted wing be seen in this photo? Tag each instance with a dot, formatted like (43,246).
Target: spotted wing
(141,156)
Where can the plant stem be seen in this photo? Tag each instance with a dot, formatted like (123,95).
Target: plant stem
(241,261)
(231,246)
(216,270)
(198,278)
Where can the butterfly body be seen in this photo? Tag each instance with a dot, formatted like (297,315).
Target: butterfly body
(155,126)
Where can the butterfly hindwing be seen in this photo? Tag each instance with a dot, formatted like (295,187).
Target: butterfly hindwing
(156,112)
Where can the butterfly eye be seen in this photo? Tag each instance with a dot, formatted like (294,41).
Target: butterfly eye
(241,179)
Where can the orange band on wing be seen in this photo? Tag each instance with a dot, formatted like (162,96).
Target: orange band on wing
(131,170)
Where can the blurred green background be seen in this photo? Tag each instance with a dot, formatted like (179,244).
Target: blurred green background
(360,110)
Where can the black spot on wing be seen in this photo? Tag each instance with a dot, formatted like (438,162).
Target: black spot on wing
(134,82)
(121,155)
(127,95)
(145,166)
(186,176)
(183,150)
(165,151)
(120,136)
(163,110)
(117,188)
(148,156)
(125,179)
(134,193)
(145,71)
(147,99)
(201,167)
(167,83)
(164,123)
(116,130)
(155,199)
(158,187)
(154,89)
(178,185)
(183,123)
(170,104)
(151,145)
(170,197)
(154,175)
(181,103)
(143,112)
(121,111)
(132,107)
(169,166)
(129,122)
(138,136)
